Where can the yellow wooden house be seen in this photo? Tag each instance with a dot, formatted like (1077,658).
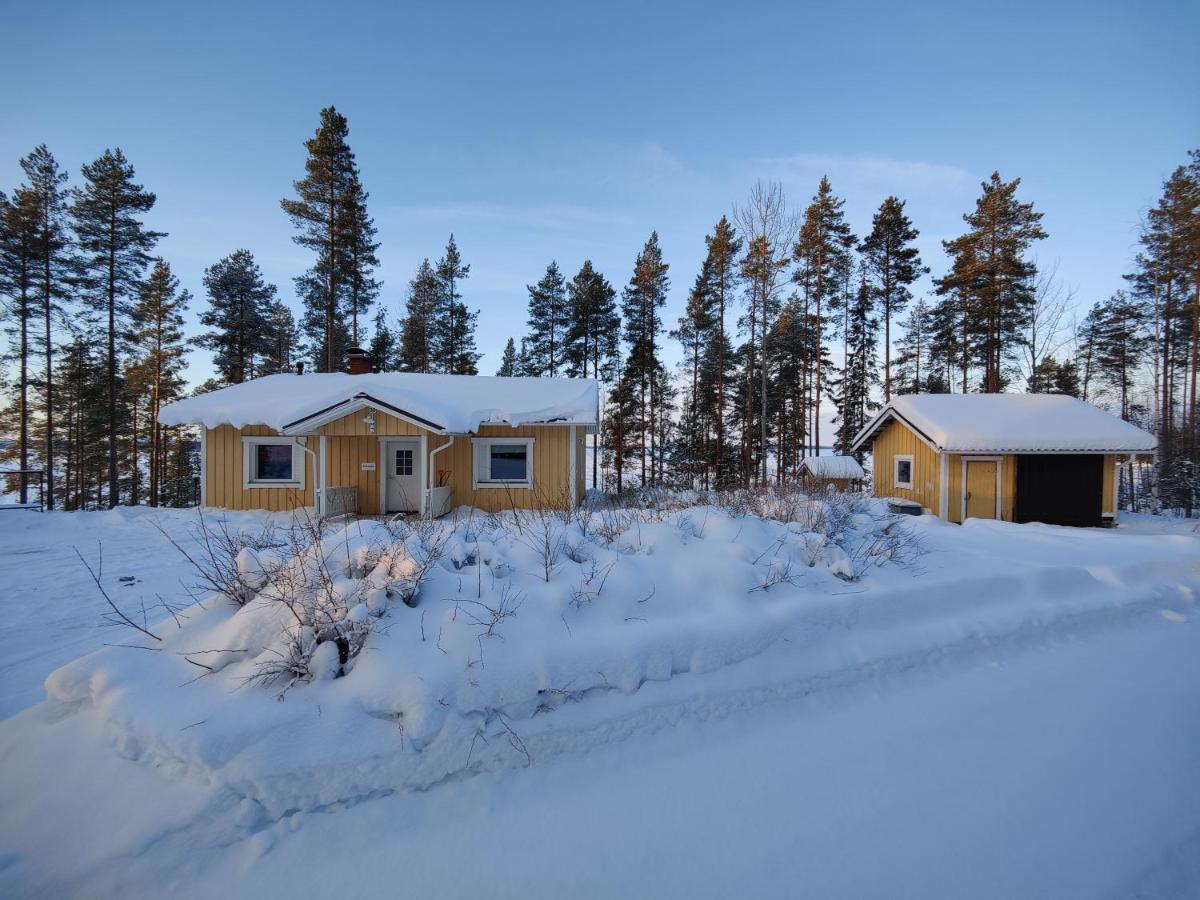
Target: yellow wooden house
(376,444)
(1016,457)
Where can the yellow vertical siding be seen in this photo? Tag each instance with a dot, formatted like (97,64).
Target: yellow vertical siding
(350,443)
(224,472)
(898,440)
(1109,503)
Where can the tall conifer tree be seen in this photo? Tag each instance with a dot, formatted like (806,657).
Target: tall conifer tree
(641,301)
(240,315)
(893,263)
(114,248)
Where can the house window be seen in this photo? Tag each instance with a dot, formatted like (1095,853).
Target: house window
(404,462)
(272,462)
(503,462)
(903,477)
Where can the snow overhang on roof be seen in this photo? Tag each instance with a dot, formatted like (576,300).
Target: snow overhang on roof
(1009,423)
(448,404)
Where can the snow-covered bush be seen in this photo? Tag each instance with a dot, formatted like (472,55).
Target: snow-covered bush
(512,615)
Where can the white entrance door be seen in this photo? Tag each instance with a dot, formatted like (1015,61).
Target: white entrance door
(402,466)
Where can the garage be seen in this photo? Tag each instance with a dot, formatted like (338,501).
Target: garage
(1060,489)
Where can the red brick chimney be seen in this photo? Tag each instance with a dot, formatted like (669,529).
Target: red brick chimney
(360,361)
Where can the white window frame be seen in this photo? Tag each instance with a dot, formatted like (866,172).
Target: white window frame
(896,482)
(249,454)
(481,458)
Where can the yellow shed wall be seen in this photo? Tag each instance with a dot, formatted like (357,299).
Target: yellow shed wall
(898,440)
(1110,473)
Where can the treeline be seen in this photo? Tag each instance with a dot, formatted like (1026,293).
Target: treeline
(790,312)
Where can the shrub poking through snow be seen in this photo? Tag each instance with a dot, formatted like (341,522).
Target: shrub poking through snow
(311,595)
(517,613)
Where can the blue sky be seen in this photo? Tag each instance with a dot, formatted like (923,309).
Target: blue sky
(565,131)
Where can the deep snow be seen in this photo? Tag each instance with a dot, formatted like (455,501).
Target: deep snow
(1014,717)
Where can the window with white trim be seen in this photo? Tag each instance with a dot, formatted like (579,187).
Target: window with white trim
(503,462)
(272,462)
(902,477)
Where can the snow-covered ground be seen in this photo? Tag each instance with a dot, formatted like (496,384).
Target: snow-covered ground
(1011,714)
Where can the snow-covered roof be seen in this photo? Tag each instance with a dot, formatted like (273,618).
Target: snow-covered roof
(833,467)
(456,404)
(1010,423)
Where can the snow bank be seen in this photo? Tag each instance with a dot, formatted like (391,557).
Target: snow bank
(450,403)
(322,686)
(536,635)
(1014,423)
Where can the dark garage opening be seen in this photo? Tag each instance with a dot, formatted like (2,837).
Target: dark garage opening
(1060,490)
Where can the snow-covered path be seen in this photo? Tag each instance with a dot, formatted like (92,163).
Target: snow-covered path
(1067,771)
(1065,768)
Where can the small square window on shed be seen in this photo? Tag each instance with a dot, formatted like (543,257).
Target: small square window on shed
(903,477)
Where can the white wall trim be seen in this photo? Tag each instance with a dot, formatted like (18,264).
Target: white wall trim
(999,461)
(478,443)
(944,487)
(249,483)
(203,466)
(324,477)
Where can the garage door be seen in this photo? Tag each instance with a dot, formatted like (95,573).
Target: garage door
(1060,490)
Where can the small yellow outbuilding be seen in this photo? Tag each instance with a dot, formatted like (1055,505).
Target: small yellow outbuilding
(1017,457)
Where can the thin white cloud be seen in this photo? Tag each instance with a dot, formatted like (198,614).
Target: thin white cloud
(538,217)
(880,173)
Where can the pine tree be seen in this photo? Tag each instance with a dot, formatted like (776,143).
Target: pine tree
(417,328)
(913,350)
(1054,377)
(384,348)
(18,263)
(622,427)
(641,301)
(1165,267)
(84,418)
(159,338)
(55,266)
(992,276)
(322,212)
(115,249)
(822,254)
(508,362)
(893,263)
(240,313)
(453,336)
(1088,336)
(362,289)
(693,333)
(548,322)
(720,263)
(593,336)
(283,340)
(861,373)
(593,333)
